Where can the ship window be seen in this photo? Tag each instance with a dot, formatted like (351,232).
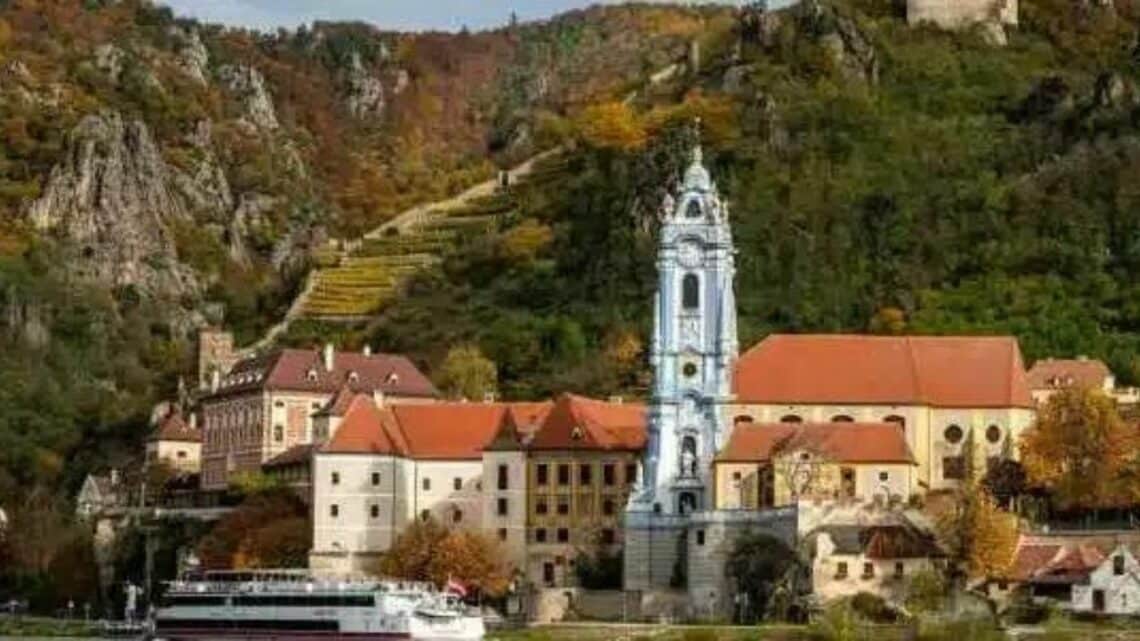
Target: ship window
(690,291)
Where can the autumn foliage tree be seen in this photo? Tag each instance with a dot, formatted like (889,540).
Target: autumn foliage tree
(427,551)
(612,125)
(269,529)
(1078,448)
(993,537)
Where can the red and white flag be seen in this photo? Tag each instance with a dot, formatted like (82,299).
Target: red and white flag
(455,587)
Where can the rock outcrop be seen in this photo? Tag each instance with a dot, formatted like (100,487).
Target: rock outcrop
(365,93)
(193,58)
(111,202)
(204,183)
(248,85)
(109,59)
(852,51)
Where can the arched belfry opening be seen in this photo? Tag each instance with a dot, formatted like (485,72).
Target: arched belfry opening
(690,291)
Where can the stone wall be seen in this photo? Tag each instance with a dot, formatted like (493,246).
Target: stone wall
(552,605)
(652,550)
(955,13)
(711,538)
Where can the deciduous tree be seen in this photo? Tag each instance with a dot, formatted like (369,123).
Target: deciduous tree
(1078,448)
(467,373)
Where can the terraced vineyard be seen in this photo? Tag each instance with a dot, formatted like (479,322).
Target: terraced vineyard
(353,286)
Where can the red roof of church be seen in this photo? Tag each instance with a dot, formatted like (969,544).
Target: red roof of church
(1082,372)
(839,442)
(941,371)
(579,423)
(173,428)
(304,371)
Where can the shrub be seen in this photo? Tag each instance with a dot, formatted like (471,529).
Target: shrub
(873,608)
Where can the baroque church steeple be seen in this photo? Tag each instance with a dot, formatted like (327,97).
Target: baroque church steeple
(694,346)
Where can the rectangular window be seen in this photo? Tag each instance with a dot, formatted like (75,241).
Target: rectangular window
(540,505)
(631,473)
(375,511)
(457,484)
(585,474)
(841,570)
(427,485)
(336,478)
(502,507)
(502,534)
(608,474)
(899,570)
(954,468)
(608,537)
(503,471)
(700,537)
(540,535)
(375,479)
(548,573)
(868,570)
(541,473)
(563,505)
(1118,565)
(425,515)
(608,507)
(563,535)
(334,510)
(564,474)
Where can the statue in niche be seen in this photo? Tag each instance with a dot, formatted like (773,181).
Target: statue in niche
(689,457)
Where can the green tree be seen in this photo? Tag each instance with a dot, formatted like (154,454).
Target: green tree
(761,567)
(467,373)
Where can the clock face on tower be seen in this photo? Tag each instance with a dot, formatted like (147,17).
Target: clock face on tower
(690,254)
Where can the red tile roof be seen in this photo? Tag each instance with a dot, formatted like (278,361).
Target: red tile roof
(448,431)
(518,425)
(173,428)
(363,430)
(304,371)
(941,371)
(1052,373)
(579,423)
(839,442)
(338,405)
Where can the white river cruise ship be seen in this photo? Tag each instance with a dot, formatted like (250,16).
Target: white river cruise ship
(269,605)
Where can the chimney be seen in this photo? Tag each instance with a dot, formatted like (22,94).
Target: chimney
(617,400)
(215,380)
(192,420)
(327,357)
(367,350)
(378,397)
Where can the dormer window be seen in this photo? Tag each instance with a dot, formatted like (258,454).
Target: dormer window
(392,378)
(311,375)
(576,433)
(353,377)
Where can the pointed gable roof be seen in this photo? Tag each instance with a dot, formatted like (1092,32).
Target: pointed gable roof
(363,430)
(174,428)
(941,371)
(579,423)
(840,442)
(517,426)
(1051,373)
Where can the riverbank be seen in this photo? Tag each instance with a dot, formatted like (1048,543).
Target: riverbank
(13,627)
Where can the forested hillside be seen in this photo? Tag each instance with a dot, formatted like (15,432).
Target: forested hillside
(157,174)
(883,178)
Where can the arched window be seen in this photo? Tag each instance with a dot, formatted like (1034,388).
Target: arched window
(690,291)
(686,502)
(842,418)
(899,420)
(742,418)
(791,418)
(693,210)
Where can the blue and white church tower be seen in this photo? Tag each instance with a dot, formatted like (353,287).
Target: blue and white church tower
(693,352)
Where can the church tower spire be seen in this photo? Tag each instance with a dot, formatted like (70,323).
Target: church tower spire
(694,346)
